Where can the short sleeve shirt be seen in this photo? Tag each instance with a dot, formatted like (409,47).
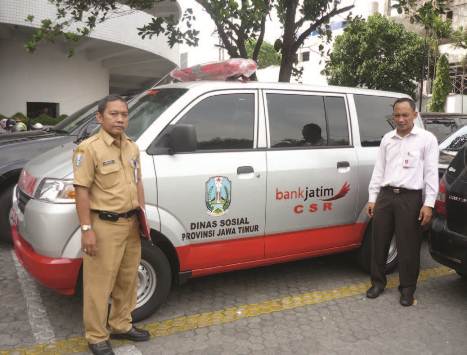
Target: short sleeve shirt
(110,168)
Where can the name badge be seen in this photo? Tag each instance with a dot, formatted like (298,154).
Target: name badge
(108,162)
(409,161)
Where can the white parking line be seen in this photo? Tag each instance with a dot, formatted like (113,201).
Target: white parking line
(37,314)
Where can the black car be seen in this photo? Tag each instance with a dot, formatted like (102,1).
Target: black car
(16,149)
(448,240)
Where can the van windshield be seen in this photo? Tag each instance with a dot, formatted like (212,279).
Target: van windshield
(77,119)
(146,109)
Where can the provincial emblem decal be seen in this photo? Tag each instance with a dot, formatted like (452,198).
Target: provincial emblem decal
(218,195)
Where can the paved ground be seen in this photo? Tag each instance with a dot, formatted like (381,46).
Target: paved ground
(315,306)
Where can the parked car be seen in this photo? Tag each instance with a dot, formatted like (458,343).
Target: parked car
(448,240)
(231,182)
(16,149)
(450,146)
(443,124)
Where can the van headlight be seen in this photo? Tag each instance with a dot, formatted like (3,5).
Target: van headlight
(56,190)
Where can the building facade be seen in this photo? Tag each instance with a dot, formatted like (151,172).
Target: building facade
(113,59)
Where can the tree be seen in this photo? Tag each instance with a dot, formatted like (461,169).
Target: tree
(441,86)
(267,54)
(300,19)
(459,38)
(236,21)
(76,19)
(378,54)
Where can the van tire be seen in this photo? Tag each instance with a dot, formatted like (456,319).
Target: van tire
(363,254)
(5,206)
(155,275)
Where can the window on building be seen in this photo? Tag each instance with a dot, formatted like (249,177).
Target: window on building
(449,15)
(305,56)
(35,109)
(223,121)
(374,118)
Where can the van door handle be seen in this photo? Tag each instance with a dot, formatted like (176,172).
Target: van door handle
(245,170)
(343,164)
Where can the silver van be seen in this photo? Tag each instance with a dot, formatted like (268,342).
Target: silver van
(236,175)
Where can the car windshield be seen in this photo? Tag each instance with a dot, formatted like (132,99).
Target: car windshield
(77,119)
(456,140)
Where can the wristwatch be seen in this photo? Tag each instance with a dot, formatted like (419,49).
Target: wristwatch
(86,227)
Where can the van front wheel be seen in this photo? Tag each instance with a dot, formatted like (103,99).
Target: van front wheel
(154,281)
(363,255)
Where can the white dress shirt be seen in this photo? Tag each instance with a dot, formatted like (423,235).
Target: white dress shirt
(410,162)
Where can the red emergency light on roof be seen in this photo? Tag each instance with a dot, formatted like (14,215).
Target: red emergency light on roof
(232,68)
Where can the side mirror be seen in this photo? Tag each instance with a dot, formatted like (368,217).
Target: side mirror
(182,139)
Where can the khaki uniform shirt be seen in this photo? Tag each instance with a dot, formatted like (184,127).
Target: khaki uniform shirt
(110,169)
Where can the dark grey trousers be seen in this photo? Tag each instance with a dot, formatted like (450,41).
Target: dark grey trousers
(397,213)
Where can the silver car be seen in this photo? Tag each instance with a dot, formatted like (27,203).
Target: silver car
(236,175)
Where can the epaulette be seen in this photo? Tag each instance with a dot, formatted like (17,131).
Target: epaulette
(89,140)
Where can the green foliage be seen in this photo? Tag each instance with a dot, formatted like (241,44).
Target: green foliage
(19,117)
(378,54)
(300,19)
(441,86)
(46,120)
(267,54)
(459,38)
(76,19)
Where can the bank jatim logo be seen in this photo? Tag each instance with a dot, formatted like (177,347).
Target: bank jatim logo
(324,194)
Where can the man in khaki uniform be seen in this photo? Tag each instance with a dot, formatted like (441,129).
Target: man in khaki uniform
(109,192)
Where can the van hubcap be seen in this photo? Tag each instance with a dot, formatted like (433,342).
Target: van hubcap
(147,281)
(392,253)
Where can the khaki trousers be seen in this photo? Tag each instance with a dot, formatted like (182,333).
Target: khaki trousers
(111,273)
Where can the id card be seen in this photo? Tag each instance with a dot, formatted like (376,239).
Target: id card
(410,160)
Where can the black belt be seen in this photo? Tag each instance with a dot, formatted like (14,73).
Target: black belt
(399,190)
(114,216)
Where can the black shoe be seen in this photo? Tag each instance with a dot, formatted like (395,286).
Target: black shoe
(102,348)
(407,299)
(374,291)
(133,334)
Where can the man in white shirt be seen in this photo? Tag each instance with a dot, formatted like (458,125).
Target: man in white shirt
(406,168)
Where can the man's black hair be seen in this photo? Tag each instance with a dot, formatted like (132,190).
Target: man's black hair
(405,99)
(101,106)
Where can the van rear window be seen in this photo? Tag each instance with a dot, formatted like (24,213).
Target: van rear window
(374,118)
(147,108)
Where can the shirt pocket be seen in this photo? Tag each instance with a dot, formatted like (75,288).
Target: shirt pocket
(110,175)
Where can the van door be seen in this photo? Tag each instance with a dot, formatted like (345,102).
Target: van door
(216,195)
(312,175)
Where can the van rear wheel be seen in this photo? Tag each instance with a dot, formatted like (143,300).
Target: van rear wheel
(154,281)
(363,255)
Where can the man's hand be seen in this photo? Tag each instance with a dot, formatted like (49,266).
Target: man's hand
(88,242)
(425,215)
(370,209)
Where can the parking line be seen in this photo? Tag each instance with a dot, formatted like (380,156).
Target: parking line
(228,315)
(37,313)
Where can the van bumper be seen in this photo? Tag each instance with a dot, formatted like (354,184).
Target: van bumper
(59,274)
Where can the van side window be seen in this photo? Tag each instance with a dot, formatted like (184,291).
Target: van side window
(296,120)
(307,121)
(374,118)
(223,121)
(336,115)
